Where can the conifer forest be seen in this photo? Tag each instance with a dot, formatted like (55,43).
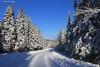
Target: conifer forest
(79,40)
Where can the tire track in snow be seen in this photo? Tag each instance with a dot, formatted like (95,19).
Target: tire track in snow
(42,60)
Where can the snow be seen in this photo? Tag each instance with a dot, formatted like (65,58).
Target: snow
(87,11)
(42,58)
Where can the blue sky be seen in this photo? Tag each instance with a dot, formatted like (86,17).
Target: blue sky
(48,15)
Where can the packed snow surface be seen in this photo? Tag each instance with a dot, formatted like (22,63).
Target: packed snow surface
(42,58)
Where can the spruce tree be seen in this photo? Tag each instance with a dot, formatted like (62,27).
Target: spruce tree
(21,24)
(87,27)
(62,40)
(38,42)
(1,45)
(28,35)
(8,30)
(18,34)
(69,28)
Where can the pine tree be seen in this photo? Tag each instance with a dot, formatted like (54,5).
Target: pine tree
(62,40)
(87,27)
(69,28)
(28,35)
(21,24)
(82,37)
(1,45)
(8,30)
(18,34)
(37,38)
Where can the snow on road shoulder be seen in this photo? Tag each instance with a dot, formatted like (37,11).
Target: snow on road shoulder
(63,61)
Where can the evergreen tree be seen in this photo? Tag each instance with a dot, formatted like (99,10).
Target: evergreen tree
(69,28)
(20,24)
(37,39)
(82,37)
(8,30)
(28,35)
(75,5)
(18,34)
(1,45)
(62,40)
(87,27)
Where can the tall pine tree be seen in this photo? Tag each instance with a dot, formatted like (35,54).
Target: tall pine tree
(8,30)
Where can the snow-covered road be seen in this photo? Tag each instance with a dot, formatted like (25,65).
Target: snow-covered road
(42,58)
